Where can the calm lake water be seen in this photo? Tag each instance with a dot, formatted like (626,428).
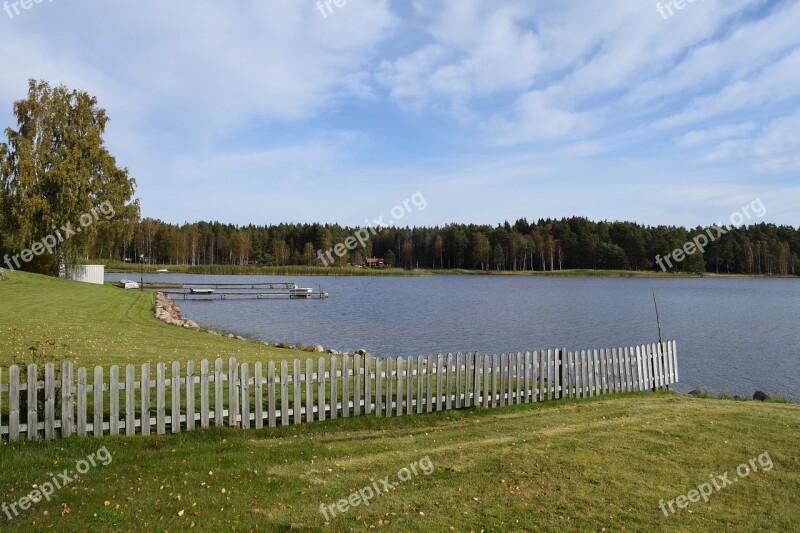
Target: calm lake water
(733,335)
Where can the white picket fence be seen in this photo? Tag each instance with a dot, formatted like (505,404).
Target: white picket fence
(335,386)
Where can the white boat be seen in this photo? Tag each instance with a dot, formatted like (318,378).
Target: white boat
(300,292)
(128,284)
(162,270)
(202,291)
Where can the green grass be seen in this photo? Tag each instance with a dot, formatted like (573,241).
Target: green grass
(580,465)
(573,466)
(92,324)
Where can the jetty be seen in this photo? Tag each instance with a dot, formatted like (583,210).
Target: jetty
(245,291)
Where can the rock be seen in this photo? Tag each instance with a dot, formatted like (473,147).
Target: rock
(240,338)
(334,352)
(212,332)
(231,336)
(361,351)
(318,349)
(698,392)
(760,396)
(191,324)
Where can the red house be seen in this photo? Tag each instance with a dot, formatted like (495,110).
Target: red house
(374,262)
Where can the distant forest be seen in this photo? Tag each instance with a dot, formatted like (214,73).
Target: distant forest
(569,243)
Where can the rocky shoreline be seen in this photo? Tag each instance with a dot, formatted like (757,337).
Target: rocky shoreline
(167,311)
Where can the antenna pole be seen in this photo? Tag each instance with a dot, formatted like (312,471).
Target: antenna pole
(658,321)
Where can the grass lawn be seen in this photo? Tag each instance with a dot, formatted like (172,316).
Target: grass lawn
(92,324)
(561,466)
(590,465)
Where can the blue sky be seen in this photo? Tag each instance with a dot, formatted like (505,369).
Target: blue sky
(270,111)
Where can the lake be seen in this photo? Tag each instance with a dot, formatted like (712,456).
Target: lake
(733,335)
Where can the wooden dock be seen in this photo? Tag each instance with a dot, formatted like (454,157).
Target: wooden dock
(244,291)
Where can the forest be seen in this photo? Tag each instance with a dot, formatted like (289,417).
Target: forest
(568,243)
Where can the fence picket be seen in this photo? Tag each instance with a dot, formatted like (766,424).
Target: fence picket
(378,387)
(409,385)
(161,409)
(285,393)
(419,383)
(476,385)
(367,384)
(219,408)
(334,410)
(190,410)
(175,393)
(429,384)
(49,401)
(449,382)
(258,393)
(67,405)
(357,385)
(204,398)
(271,403)
(32,421)
(389,386)
(145,399)
(297,409)
(502,371)
(309,390)
(459,363)
(233,396)
(400,384)
(97,400)
(321,389)
(130,399)
(244,390)
(345,386)
(439,370)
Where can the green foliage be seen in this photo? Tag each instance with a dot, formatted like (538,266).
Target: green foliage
(55,168)
(545,246)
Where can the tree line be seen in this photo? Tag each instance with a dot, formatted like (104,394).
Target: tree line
(543,245)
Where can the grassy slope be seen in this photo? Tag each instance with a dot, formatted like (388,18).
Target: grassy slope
(93,324)
(576,466)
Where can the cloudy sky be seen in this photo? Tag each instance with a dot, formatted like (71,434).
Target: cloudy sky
(290,110)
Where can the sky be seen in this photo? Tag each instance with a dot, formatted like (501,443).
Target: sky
(296,111)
